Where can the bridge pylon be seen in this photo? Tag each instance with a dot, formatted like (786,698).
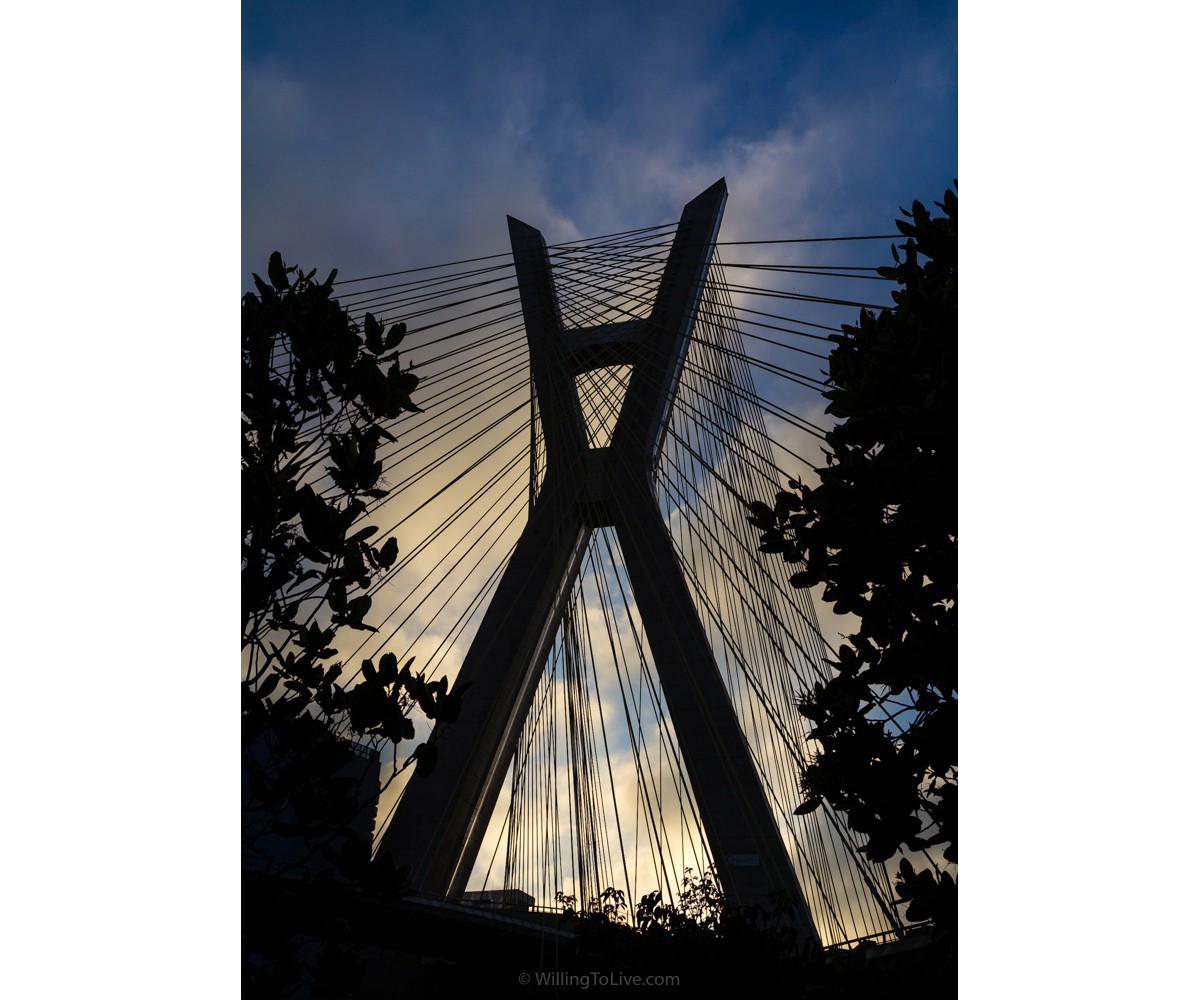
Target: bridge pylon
(440,821)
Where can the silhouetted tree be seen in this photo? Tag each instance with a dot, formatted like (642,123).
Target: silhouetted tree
(880,532)
(317,392)
(702,939)
(699,935)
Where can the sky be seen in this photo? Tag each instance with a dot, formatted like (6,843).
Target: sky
(136,205)
(404,134)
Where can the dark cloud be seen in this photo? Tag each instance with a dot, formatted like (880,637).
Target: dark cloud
(402,134)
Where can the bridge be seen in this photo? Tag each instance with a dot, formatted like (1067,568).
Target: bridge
(570,508)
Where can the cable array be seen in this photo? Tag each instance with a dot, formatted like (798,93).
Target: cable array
(597,795)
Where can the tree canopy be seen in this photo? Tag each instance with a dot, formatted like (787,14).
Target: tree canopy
(319,392)
(880,533)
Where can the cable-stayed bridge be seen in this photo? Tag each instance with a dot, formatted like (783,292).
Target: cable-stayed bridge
(571,515)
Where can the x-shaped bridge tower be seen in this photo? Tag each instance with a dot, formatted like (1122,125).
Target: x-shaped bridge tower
(440,821)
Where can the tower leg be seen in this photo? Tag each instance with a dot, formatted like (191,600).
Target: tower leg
(739,823)
(440,820)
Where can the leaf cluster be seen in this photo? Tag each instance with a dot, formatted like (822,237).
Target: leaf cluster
(699,932)
(880,533)
(315,388)
(318,394)
(709,941)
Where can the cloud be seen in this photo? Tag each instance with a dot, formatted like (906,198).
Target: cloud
(273,103)
(369,157)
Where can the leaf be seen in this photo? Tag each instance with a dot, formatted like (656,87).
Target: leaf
(264,289)
(806,807)
(400,728)
(425,757)
(374,334)
(762,514)
(317,519)
(387,554)
(277,272)
(450,705)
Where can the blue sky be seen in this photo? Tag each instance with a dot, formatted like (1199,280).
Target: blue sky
(401,134)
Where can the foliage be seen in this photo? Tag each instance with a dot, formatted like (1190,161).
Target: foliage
(703,939)
(880,532)
(699,933)
(317,393)
(701,905)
